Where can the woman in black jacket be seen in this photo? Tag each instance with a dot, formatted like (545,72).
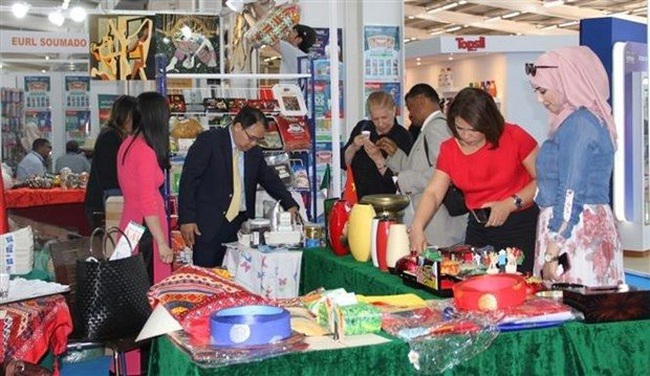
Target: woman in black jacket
(103,170)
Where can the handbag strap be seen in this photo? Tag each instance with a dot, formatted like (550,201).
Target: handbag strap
(426,149)
(107,232)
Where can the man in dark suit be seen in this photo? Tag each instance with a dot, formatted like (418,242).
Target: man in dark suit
(210,208)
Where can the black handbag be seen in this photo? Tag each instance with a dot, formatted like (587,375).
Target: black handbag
(111,300)
(454,199)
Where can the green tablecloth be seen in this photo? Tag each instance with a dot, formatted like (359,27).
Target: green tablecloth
(621,348)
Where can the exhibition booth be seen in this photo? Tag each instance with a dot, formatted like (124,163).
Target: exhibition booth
(335,289)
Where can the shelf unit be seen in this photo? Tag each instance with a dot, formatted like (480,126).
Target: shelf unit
(223,90)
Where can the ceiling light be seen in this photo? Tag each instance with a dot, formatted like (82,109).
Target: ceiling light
(56,17)
(418,63)
(47,57)
(444,7)
(20,9)
(78,14)
(418,58)
(411,17)
(437,32)
(462,2)
(567,24)
(452,29)
(510,15)
(553,3)
(549,27)
(493,19)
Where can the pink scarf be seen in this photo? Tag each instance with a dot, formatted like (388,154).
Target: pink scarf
(580,79)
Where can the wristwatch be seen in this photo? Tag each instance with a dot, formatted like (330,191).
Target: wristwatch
(548,258)
(519,203)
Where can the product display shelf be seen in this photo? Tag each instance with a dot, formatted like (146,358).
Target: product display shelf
(193,104)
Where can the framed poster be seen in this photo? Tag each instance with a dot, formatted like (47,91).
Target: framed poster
(190,42)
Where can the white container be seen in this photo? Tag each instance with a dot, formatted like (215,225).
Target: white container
(397,245)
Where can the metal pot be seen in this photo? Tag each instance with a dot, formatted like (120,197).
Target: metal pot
(388,205)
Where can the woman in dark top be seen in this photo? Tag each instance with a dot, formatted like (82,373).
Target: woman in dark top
(371,175)
(103,170)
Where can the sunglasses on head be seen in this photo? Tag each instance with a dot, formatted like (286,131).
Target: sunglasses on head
(531,68)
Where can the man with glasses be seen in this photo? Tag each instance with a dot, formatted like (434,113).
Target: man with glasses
(414,170)
(219,182)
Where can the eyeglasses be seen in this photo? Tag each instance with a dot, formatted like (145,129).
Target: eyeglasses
(252,138)
(531,68)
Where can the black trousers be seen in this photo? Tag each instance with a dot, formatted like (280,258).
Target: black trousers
(210,254)
(519,231)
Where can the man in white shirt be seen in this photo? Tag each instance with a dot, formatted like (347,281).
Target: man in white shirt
(415,169)
(294,46)
(34,162)
(72,159)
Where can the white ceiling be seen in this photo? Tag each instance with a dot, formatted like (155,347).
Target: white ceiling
(423,19)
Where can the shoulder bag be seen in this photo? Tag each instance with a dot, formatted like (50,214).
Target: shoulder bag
(111,299)
(454,199)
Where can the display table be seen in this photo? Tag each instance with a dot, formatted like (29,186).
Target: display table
(619,348)
(32,327)
(56,206)
(272,275)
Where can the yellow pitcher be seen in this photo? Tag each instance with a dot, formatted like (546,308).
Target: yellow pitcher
(359,228)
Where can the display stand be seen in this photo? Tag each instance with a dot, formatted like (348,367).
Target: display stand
(214,105)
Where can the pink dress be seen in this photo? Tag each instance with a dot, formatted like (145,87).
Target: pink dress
(140,179)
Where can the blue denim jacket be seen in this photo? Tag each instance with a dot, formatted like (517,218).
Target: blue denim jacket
(574,167)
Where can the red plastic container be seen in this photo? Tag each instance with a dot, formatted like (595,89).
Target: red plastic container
(490,292)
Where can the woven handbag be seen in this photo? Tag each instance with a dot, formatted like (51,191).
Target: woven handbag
(111,299)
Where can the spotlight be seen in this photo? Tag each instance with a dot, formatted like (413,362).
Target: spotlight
(20,9)
(78,14)
(56,17)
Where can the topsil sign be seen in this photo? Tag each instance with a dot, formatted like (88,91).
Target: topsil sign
(470,45)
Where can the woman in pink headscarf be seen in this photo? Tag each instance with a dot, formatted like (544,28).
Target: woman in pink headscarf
(577,240)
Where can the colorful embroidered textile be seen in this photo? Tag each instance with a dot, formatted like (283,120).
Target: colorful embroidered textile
(31,327)
(192,293)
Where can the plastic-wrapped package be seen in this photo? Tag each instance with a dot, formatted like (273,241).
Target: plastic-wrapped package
(191,294)
(440,337)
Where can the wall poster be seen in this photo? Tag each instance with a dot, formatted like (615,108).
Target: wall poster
(38,116)
(190,42)
(77,113)
(121,47)
(381,57)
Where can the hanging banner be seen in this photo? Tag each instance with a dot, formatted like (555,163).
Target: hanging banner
(105,104)
(38,117)
(381,53)
(77,113)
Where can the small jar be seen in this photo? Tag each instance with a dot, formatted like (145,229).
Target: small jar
(259,226)
(313,235)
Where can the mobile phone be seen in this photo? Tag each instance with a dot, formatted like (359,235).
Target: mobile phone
(481,215)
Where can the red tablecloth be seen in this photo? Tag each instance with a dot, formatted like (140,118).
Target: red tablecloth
(28,197)
(30,328)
